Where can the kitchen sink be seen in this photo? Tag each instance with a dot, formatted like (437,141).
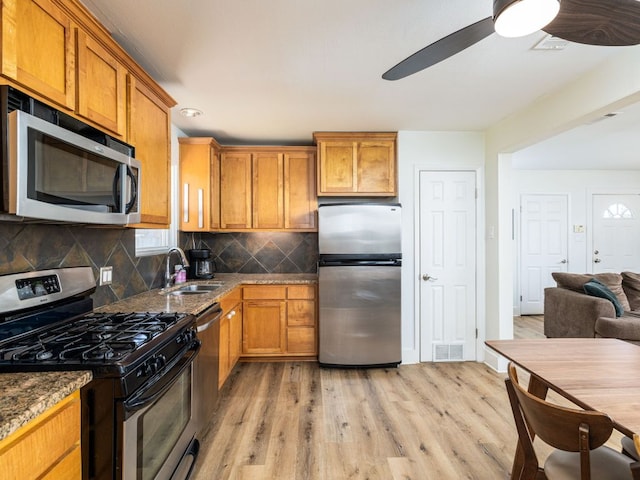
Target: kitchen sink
(195,289)
(200,288)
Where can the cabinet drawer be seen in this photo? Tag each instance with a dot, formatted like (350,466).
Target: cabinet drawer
(304,292)
(270,292)
(47,440)
(301,313)
(231,299)
(301,340)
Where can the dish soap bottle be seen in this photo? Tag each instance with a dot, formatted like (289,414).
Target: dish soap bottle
(181,274)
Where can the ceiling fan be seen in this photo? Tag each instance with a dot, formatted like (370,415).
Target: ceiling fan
(591,22)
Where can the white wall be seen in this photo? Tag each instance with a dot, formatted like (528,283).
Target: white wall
(578,185)
(430,151)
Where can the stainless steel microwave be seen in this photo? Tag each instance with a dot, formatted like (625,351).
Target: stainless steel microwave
(58,175)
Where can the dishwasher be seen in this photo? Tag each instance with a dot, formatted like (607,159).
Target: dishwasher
(205,383)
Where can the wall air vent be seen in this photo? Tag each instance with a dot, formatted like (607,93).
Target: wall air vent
(445,352)
(549,42)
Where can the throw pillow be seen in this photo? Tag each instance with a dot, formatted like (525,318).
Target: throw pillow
(614,282)
(597,289)
(631,286)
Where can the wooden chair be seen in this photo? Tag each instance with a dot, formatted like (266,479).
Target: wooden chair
(578,437)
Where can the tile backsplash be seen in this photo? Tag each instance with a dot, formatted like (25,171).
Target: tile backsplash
(28,247)
(261,252)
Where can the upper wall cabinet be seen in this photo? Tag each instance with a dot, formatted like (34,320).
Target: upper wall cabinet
(150,132)
(38,49)
(102,89)
(57,52)
(246,188)
(356,164)
(200,184)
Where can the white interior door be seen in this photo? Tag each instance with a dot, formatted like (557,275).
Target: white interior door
(543,247)
(447,243)
(616,233)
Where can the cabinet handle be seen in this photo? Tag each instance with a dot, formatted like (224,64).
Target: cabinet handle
(185,203)
(200,208)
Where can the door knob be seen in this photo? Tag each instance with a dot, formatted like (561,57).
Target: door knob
(564,260)
(595,252)
(426,277)
(597,260)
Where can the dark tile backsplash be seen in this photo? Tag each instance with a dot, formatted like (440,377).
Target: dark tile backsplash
(264,252)
(28,247)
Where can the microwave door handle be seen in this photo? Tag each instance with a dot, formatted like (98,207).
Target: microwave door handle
(134,190)
(116,190)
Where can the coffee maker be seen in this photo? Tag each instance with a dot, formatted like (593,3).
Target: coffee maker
(201,265)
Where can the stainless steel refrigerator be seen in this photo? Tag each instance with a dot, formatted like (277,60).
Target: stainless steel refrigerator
(359,284)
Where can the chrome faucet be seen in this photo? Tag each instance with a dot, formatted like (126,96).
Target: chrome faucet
(169,278)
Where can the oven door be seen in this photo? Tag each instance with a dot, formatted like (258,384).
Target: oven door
(160,427)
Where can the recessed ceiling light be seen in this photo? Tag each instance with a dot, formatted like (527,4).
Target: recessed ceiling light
(190,112)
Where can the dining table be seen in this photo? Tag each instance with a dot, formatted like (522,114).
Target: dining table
(601,374)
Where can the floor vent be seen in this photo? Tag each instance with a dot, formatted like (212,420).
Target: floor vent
(448,353)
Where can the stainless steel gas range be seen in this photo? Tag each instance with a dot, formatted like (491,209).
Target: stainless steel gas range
(138,411)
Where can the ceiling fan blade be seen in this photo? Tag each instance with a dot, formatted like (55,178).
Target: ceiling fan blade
(598,22)
(441,50)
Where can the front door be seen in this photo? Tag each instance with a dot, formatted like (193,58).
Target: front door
(616,233)
(543,247)
(447,275)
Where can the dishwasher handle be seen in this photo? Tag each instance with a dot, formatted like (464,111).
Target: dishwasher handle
(208,317)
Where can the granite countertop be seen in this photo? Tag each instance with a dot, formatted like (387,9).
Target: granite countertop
(158,301)
(27,395)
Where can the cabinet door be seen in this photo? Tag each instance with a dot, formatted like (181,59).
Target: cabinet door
(263,327)
(300,200)
(224,364)
(38,49)
(268,190)
(149,133)
(195,184)
(337,167)
(235,337)
(376,168)
(235,190)
(102,93)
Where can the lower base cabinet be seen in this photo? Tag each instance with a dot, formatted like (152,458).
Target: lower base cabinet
(230,334)
(279,321)
(48,447)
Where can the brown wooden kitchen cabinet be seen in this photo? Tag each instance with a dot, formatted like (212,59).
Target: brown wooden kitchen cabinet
(256,188)
(150,134)
(38,49)
(102,86)
(356,164)
(235,190)
(230,334)
(46,447)
(279,321)
(199,184)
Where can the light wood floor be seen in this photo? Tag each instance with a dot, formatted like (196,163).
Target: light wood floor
(296,421)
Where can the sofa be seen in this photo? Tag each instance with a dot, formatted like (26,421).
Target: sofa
(593,305)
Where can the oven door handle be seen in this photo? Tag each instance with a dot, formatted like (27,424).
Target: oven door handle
(169,377)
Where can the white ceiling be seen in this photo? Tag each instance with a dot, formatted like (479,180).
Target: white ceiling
(276,71)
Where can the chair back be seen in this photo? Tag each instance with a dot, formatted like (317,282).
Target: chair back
(559,426)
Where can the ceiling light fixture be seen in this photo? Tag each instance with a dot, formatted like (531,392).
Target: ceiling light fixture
(517,18)
(190,112)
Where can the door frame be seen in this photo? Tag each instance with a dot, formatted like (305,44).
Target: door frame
(480,258)
(591,192)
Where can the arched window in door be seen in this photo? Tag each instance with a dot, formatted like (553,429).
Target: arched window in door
(617,211)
